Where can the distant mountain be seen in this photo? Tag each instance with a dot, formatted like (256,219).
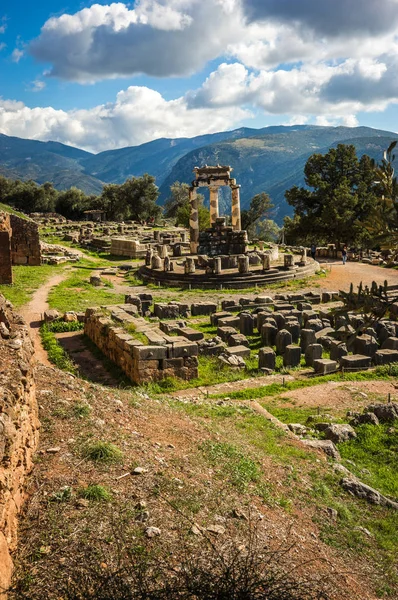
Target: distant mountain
(271,159)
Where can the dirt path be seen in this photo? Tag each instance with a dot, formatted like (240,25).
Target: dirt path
(33,315)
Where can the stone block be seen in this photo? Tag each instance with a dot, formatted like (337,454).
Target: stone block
(385,357)
(242,351)
(142,353)
(307,337)
(279,319)
(246,324)
(266,359)
(355,362)
(313,352)
(225,332)
(365,344)
(233,321)
(214,318)
(238,339)
(283,339)
(294,328)
(191,334)
(268,334)
(323,366)
(183,349)
(292,356)
(203,308)
(390,343)
(338,350)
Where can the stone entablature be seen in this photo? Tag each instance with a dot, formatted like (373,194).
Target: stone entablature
(163,356)
(19,428)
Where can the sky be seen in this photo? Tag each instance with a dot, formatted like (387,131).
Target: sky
(101,76)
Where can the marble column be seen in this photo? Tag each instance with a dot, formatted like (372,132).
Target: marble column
(236,224)
(194,220)
(213,204)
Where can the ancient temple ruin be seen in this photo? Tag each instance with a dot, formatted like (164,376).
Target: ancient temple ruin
(213,178)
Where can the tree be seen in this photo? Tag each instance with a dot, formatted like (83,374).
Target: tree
(179,197)
(260,205)
(72,203)
(267,230)
(340,201)
(177,206)
(383,219)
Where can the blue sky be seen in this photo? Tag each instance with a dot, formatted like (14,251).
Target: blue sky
(107,75)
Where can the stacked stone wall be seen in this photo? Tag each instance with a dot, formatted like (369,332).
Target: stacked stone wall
(19,428)
(5,249)
(25,242)
(162,357)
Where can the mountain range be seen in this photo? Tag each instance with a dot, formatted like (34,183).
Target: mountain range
(271,159)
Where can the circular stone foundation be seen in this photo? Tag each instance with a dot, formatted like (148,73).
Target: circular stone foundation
(228,279)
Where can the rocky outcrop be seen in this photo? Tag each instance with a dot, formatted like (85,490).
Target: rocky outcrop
(19,427)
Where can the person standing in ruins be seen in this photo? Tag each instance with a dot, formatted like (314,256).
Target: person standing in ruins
(313,251)
(344,254)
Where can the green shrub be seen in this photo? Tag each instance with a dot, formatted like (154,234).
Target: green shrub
(81,409)
(95,492)
(102,452)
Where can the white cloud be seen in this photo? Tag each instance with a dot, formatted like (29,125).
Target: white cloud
(157,37)
(138,115)
(16,55)
(36,86)
(2,46)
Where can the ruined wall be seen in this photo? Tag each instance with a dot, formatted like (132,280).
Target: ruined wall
(129,248)
(172,357)
(25,243)
(5,249)
(18,428)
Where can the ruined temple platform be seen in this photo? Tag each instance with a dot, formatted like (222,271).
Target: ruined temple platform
(228,279)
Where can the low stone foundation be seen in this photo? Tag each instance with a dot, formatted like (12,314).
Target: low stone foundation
(162,356)
(19,427)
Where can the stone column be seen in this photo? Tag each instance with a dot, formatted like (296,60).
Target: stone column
(213,204)
(194,220)
(243,264)
(236,224)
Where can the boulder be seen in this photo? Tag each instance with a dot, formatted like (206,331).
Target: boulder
(338,433)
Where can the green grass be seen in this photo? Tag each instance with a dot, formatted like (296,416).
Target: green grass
(81,410)
(26,281)
(102,452)
(235,466)
(76,293)
(96,493)
(375,454)
(56,354)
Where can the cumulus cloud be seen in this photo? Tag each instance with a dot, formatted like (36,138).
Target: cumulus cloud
(313,89)
(367,17)
(138,115)
(157,37)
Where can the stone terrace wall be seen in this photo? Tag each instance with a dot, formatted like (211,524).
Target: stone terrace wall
(19,427)
(163,356)
(25,243)
(5,249)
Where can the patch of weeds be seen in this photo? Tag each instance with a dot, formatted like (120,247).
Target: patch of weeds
(95,492)
(102,452)
(81,410)
(239,468)
(56,354)
(64,326)
(137,335)
(63,495)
